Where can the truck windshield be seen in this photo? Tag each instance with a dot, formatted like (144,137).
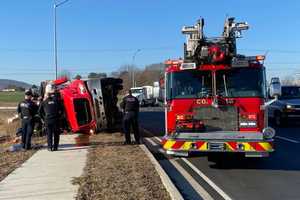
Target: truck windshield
(83,112)
(189,84)
(241,82)
(292,92)
(137,90)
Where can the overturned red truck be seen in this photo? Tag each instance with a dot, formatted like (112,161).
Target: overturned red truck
(216,98)
(89,105)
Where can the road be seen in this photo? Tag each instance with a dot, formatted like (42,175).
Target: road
(275,177)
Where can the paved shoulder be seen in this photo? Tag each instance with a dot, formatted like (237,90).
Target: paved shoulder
(47,175)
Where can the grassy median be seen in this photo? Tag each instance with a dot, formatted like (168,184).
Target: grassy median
(114,171)
(11,98)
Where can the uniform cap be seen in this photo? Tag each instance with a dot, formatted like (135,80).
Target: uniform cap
(28,93)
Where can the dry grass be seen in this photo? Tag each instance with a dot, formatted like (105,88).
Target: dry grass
(5,128)
(8,104)
(115,171)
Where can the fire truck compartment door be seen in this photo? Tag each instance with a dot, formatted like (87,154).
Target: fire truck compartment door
(220,135)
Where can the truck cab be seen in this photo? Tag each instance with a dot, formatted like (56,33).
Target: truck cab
(287,107)
(144,95)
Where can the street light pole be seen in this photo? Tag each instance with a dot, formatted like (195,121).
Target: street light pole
(56,5)
(132,65)
(55,41)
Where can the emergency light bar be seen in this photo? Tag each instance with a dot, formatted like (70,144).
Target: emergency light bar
(256,58)
(185,66)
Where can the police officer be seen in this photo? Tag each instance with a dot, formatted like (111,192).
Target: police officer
(130,105)
(27,109)
(50,110)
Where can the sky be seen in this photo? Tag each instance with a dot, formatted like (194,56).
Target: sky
(102,35)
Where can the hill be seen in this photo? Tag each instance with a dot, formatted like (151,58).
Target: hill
(6,82)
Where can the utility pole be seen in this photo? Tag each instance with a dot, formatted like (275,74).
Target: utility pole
(132,66)
(56,5)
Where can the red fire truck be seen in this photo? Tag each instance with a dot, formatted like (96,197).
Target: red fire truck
(216,98)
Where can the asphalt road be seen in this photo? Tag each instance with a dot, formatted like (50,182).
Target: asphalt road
(275,177)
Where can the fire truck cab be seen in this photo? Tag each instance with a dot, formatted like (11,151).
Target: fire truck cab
(215,98)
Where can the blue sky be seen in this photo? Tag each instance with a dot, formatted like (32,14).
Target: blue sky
(102,35)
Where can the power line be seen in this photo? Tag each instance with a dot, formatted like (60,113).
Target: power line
(134,49)
(31,50)
(273,51)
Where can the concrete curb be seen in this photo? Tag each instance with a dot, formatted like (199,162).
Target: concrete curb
(8,108)
(170,187)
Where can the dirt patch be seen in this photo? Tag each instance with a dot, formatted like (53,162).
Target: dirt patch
(8,104)
(115,171)
(9,161)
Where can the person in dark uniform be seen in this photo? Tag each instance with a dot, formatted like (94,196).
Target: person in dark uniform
(27,109)
(50,110)
(130,106)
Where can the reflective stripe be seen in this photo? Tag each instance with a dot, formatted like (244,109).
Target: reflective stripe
(203,147)
(266,145)
(230,146)
(186,146)
(169,144)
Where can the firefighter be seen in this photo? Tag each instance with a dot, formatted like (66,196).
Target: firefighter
(130,106)
(26,110)
(50,110)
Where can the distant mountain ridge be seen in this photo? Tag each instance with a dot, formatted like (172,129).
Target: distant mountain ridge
(6,82)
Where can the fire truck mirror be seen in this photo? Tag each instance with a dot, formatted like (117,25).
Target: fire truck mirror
(275,88)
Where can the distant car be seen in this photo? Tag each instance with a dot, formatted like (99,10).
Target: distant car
(287,107)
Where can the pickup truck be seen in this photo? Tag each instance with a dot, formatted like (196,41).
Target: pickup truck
(287,107)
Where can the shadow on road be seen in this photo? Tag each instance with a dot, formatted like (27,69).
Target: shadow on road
(276,161)
(153,121)
(286,156)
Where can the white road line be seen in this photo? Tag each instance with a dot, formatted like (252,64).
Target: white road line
(161,151)
(287,139)
(151,141)
(210,182)
(169,185)
(203,176)
(158,138)
(196,186)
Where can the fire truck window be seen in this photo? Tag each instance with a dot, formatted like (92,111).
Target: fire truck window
(83,112)
(241,82)
(189,84)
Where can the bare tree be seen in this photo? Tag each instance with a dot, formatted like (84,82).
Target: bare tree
(288,80)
